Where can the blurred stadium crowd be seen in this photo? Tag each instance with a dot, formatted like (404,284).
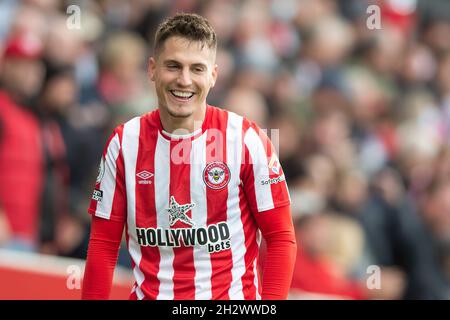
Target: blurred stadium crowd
(363,118)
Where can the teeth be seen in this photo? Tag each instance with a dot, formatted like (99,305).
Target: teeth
(182,94)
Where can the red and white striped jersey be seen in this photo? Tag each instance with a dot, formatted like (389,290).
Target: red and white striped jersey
(189,204)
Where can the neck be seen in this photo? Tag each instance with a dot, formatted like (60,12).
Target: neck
(182,125)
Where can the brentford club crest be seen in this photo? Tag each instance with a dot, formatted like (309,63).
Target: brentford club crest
(216,175)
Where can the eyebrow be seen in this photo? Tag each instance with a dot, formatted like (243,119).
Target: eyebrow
(198,64)
(167,62)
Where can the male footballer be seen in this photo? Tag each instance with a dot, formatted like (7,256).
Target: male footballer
(194,186)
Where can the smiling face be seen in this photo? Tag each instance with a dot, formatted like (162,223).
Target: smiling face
(183,71)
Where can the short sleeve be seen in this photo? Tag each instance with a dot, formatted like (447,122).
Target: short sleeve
(108,199)
(262,176)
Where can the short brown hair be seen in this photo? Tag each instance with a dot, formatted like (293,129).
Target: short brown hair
(186,25)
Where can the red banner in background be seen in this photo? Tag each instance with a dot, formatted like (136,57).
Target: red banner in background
(25,276)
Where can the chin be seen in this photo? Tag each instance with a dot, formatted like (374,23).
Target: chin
(180,112)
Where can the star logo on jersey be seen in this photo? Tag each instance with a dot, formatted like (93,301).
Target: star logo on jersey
(177,212)
(274,164)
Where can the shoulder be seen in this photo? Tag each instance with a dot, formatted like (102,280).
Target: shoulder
(221,116)
(235,123)
(133,126)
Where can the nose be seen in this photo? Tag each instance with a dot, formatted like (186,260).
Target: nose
(184,78)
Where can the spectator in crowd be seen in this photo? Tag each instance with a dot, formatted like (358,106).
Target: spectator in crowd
(21,158)
(329,243)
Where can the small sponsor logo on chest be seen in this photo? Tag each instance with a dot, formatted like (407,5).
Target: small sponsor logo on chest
(144,177)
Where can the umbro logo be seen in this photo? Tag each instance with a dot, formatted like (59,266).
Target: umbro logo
(144,177)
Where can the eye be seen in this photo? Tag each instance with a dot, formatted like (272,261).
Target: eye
(173,66)
(199,69)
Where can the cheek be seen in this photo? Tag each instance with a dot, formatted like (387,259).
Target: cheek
(162,78)
(205,84)
(161,87)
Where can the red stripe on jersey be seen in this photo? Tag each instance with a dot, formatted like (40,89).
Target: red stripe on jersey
(145,207)
(251,245)
(183,262)
(246,200)
(133,295)
(222,261)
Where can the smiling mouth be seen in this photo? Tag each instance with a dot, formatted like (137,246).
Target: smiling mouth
(182,95)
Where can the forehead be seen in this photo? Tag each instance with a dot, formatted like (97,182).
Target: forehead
(186,51)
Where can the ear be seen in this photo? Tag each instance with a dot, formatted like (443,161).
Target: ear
(151,69)
(214,74)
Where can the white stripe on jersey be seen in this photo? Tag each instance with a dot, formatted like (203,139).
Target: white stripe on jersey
(234,159)
(139,293)
(130,146)
(258,155)
(109,179)
(202,260)
(162,179)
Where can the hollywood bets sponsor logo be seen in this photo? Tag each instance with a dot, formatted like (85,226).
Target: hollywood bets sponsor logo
(215,237)
(216,175)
